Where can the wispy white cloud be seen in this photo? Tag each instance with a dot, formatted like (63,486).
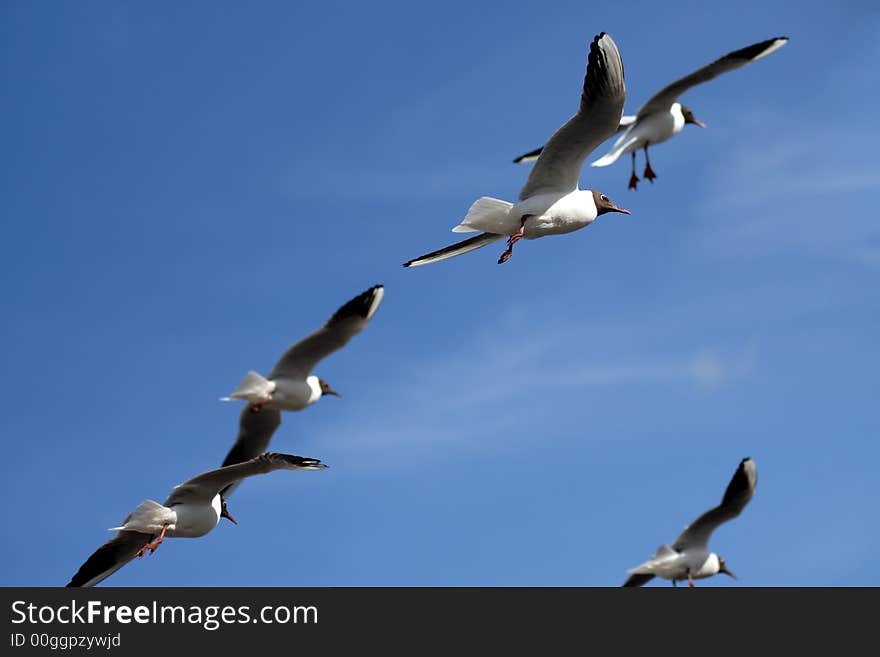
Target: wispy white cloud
(494,386)
(807,188)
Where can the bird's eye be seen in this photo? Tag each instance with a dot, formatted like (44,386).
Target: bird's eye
(604,198)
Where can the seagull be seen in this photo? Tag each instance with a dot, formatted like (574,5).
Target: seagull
(663,117)
(192,509)
(290,385)
(688,558)
(550,203)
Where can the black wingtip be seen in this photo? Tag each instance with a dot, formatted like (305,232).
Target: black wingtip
(637,580)
(363,305)
(603,61)
(758,50)
(743,482)
(528,156)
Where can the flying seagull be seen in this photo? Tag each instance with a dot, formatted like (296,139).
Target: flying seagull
(663,117)
(290,385)
(192,509)
(550,203)
(688,558)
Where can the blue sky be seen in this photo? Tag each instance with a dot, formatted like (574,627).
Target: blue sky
(189,188)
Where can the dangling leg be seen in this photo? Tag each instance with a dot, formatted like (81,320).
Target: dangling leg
(674,585)
(649,172)
(513,239)
(633,179)
(690,580)
(155,544)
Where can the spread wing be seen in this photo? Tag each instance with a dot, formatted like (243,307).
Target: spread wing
(299,360)
(203,488)
(109,558)
(739,491)
(663,99)
(598,117)
(638,580)
(531,156)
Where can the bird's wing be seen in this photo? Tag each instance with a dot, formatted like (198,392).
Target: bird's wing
(459,248)
(638,580)
(663,99)
(299,360)
(739,491)
(203,488)
(531,156)
(109,558)
(598,117)
(255,430)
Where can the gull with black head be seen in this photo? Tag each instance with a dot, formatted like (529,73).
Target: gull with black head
(663,117)
(551,202)
(192,509)
(290,385)
(689,558)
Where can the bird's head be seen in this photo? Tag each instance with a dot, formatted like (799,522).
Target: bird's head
(690,118)
(326,389)
(224,512)
(605,204)
(722,568)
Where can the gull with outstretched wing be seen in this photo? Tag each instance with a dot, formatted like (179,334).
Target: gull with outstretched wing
(192,509)
(663,117)
(550,203)
(689,558)
(291,386)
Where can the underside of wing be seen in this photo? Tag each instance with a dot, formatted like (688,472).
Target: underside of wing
(638,580)
(662,100)
(109,558)
(348,321)
(203,488)
(737,495)
(531,156)
(558,167)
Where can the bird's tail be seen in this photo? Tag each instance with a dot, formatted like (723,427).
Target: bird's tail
(253,388)
(459,248)
(490,215)
(620,147)
(149,516)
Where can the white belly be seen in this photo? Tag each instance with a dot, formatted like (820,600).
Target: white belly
(292,395)
(194,520)
(698,564)
(555,214)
